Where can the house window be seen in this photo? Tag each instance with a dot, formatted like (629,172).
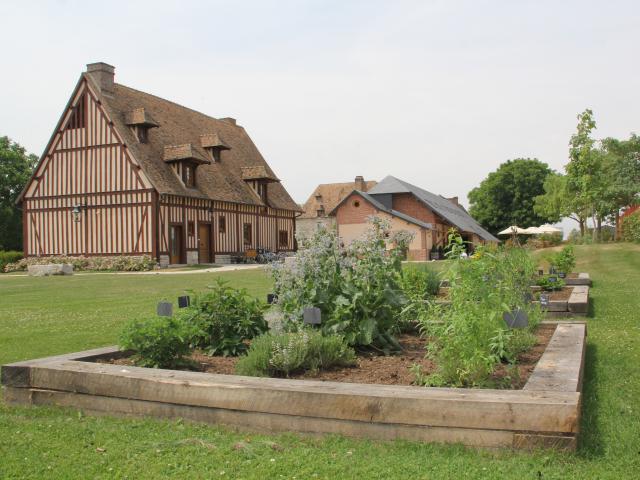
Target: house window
(143,134)
(320,212)
(262,191)
(247,234)
(78,117)
(222,225)
(191,229)
(214,153)
(283,238)
(189,175)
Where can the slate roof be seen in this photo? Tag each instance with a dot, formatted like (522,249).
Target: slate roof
(328,195)
(179,126)
(449,211)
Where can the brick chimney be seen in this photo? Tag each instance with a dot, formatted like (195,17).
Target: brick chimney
(102,73)
(360,184)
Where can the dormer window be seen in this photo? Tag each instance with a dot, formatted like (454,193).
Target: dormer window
(320,211)
(189,175)
(214,145)
(184,160)
(318,197)
(140,122)
(257,177)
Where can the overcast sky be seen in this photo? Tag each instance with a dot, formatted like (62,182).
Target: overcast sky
(438,93)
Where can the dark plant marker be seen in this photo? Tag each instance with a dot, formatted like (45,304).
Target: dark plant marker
(516,319)
(312,316)
(184,301)
(271,298)
(562,274)
(165,309)
(541,272)
(544,300)
(553,279)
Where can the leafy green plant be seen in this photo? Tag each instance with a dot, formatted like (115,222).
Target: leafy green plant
(224,318)
(565,260)
(356,287)
(419,283)
(631,227)
(470,336)
(114,263)
(547,285)
(159,342)
(7,257)
(305,350)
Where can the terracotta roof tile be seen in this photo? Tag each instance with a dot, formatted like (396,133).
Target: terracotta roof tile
(327,196)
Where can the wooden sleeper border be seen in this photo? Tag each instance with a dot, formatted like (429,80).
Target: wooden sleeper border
(546,413)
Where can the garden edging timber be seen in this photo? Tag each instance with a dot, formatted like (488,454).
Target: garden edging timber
(546,412)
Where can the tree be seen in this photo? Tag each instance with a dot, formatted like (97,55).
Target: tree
(553,204)
(585,180)
(621,169)
(506,196)
(15,169)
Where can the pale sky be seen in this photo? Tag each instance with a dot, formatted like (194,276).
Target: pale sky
(437,93)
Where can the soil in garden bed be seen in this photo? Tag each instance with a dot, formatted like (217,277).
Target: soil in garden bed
(386,370)
(558,295)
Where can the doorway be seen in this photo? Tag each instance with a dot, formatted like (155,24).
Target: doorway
(175,244)
(204,243)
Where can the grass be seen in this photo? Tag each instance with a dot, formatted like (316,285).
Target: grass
(44,316)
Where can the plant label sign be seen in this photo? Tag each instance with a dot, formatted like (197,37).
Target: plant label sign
(312,316)
(553,279)
(271,298)
(544,300)
(184,301)
(517,319)
(165,309)
(562,274)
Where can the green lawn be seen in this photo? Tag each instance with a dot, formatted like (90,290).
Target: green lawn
(45,316)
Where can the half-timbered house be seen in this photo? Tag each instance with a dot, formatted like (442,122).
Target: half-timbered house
(129,173)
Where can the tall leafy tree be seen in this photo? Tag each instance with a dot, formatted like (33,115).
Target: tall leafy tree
(506,196)
(584,172)
(621,171)
(15,169)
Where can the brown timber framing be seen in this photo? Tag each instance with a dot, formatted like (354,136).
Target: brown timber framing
(88,165)
(546,413)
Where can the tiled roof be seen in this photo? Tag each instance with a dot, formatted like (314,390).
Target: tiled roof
(179,126)
(452,213)
(327,195)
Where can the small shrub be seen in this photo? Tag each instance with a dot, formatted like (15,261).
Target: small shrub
(631,227)
(547,285)
(114,263)
(306,350)
(158,342)
(565,260)
(224,318)
(419,284)
(7,257)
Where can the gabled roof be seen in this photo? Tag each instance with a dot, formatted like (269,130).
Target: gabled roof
(327,196)
(379,206)
(179,126)
(448,210)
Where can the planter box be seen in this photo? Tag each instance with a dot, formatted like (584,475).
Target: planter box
(545,413)
(583,279)
(576,305)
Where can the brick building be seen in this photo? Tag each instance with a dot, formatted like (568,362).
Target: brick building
(407,207)
(323,200)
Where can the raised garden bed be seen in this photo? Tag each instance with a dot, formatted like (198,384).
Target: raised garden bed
(578,279)
(568,302)
(376,368)
(545,412)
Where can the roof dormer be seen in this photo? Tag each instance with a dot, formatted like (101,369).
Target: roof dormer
(258,178)
(214,145)
(184,159)
(140,121)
